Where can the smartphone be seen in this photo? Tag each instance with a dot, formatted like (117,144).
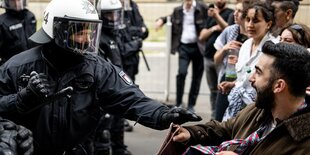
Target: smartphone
(211,6)
(241,38)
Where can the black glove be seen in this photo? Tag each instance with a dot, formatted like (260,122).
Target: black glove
(138,42)
(6,151)
(136,31)
(34,93)
(24,141)
(178,116)
(15,139)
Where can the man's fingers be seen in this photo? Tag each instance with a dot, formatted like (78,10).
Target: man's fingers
(179,138)
(182,136)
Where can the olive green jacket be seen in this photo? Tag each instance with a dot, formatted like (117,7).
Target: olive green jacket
(290,137)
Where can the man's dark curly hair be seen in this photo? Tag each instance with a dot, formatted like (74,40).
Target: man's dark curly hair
(292,63)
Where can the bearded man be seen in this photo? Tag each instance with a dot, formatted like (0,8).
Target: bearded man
(276,124)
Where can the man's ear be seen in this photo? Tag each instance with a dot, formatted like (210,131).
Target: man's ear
(279,86)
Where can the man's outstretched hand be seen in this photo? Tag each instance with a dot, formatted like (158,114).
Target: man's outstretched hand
(178,116)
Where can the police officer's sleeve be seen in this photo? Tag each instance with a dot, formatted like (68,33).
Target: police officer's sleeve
(118,95)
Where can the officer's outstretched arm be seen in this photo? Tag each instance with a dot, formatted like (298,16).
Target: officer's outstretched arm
(177,116)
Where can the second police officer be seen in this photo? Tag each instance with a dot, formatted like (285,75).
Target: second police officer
(110,133)
(134,32)
(17,24)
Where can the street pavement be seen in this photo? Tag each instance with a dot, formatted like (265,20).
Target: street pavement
(146,141)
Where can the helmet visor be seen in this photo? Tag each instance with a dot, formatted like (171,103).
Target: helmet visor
(111,19)
(13,4)
(76,35)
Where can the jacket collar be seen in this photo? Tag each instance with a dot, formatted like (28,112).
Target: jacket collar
(298,125)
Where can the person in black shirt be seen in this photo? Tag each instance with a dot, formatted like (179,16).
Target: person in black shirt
(187,22)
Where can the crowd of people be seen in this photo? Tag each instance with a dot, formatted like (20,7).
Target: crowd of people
(230,43)
(255,57)
(257,67)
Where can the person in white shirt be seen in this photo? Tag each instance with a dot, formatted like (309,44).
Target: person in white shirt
(187,22)
(258,22)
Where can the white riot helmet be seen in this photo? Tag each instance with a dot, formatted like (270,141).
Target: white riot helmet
(70,23)
(110,12)
(16,5)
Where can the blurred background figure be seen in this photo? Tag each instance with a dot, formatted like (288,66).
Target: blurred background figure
(17,24)
(134,33)
(227,46)
(218,14)
(187,23)
(109,137)
(137,31)
(245,4)
(284,13)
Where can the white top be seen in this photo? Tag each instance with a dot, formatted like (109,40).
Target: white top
(246,62)
(189,34)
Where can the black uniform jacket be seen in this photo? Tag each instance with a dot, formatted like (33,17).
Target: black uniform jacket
(64,122)
(15,29)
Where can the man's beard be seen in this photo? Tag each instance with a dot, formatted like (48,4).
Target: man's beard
(265,97)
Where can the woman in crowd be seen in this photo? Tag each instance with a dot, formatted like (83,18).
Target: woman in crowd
(230,39)
(258,22)
(297,34)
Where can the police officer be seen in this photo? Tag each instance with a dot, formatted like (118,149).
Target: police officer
(110,12)
(17,24)
(135,32)
(58,88)
(110,132)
